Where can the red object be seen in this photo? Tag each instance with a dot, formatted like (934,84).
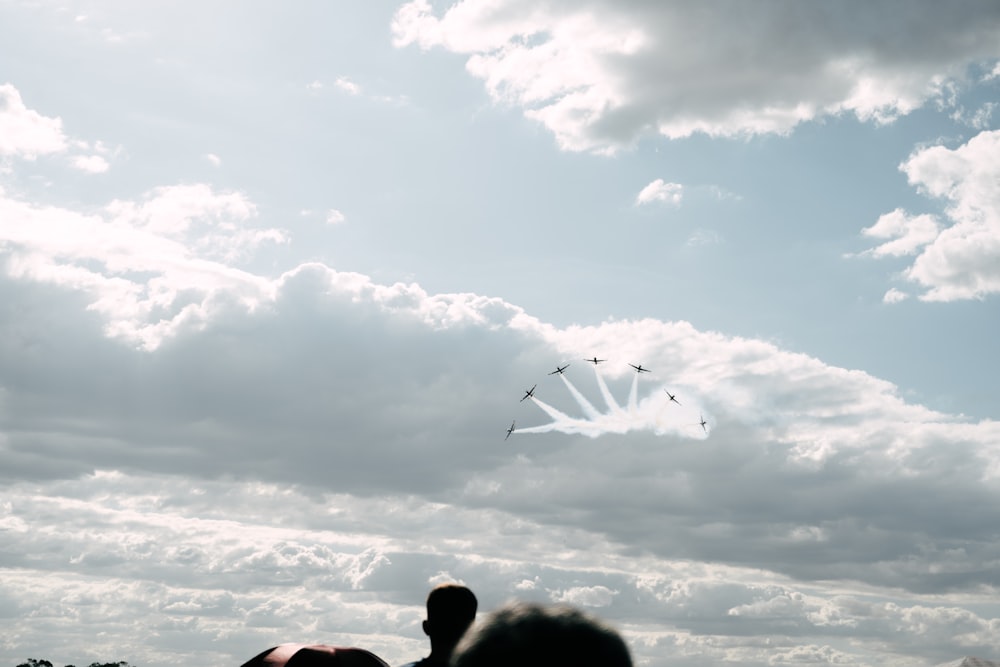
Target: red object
(315,655)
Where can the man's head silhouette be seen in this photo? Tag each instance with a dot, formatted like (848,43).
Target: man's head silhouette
(451,609)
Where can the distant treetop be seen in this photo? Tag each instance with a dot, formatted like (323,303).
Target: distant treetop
(32,662)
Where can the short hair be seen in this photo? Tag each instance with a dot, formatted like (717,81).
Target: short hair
(451,609)
(525,634)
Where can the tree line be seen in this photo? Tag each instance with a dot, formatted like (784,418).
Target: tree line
(45,663)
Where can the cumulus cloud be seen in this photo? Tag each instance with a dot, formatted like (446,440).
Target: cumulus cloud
(24,132)
(27,134)
(223,568)
(305,467)
(93,164)
(602,74)
(894,295)
(658,190)
(809,419)
(149,266)
(909,234)
(960,260)
(586,596)
(348,86)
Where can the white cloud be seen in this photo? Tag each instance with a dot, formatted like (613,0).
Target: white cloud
(895,296)
(810,655)
(149,266)
(658,190)
(92,164)
(213,159)
(602,74)
(908,233)
(232,567)
(770,604)
(26,133)
(980,119)
(586,596)
(347,85)
(526,585)
(962,260)
(335,217)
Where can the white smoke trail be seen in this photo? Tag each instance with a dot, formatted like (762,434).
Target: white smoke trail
(616,422)
(585,405)
(609,400)
(551,411)
(633,395)
(655,413)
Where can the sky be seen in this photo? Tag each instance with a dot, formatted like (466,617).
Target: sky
(275,278)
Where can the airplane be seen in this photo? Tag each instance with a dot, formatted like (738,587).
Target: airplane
(639,368)
(529,393)
(595,360)
(702,423)
(509,431)
(559,370)
(672,397)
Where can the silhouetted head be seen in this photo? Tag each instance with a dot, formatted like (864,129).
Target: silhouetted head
(451,609)
(532,635)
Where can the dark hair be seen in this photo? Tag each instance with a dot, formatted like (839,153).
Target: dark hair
(451,609)
(525,634)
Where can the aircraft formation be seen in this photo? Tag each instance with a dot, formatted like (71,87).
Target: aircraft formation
(639,369)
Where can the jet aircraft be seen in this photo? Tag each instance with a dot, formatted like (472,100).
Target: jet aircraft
(509,431)
(672,397)
(595,360)
(639,368)
(529,393)
(558,370)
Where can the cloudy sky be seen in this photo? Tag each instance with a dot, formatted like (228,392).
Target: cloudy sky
(274,281)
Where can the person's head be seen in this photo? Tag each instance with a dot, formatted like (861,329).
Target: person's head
(524,634)
(451,609)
